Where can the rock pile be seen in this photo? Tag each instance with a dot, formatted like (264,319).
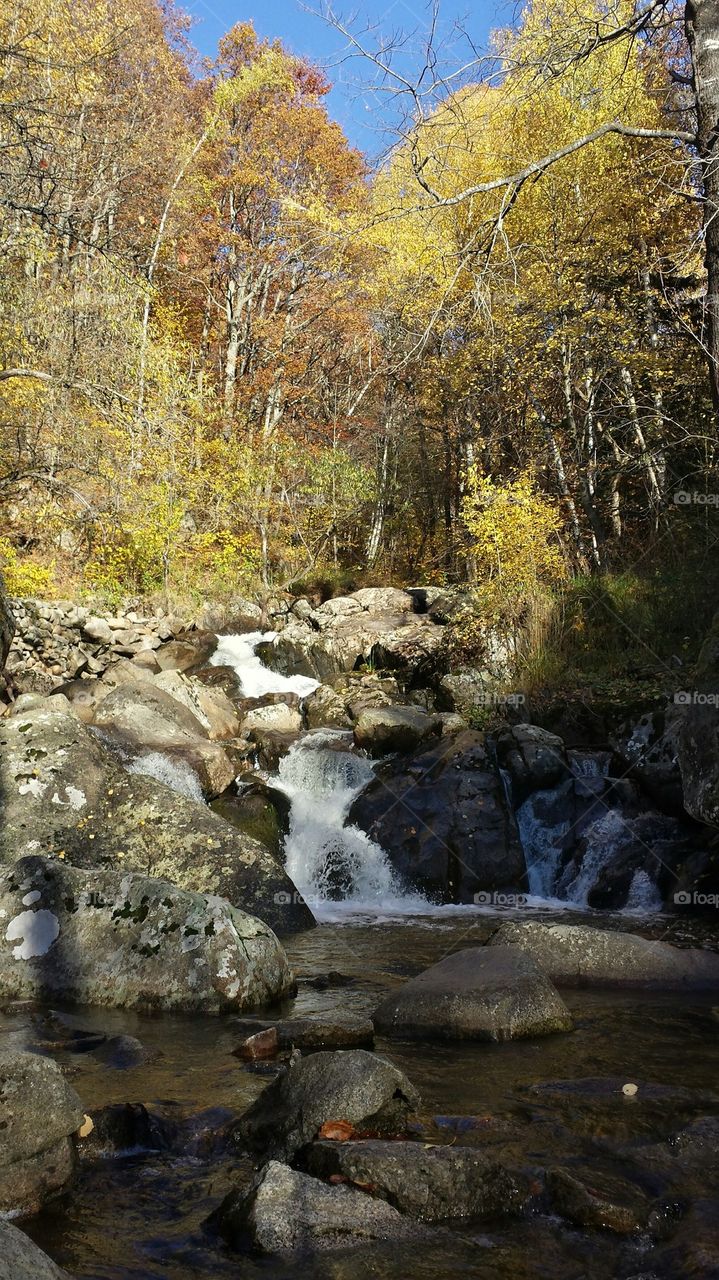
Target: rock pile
(60,641)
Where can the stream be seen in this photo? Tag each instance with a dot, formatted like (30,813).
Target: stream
(139,1214)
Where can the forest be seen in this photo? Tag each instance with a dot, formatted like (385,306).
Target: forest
(236,357)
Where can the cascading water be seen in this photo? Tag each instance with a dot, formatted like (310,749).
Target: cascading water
(256,679)
(326,859)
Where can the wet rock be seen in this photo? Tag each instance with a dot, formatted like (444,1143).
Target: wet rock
(359,1087)
(126,1128)
(314,1033)
(534,759)
(610,1204)
(394,729)
(694,1149)
(260,811)
(649,749)
(20,1258)
(443,819)
(150,720)
(272,747)
(122,939)
(580,955)
(428,1182)
(123,1053)
(259,1045)
(482,993)
(65,793)
(39,1113)
(290,1213)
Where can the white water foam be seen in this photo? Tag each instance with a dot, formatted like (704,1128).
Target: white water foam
(177,774)
(255,678)
(337,868)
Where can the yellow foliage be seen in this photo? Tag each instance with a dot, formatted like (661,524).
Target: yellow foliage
(24,577)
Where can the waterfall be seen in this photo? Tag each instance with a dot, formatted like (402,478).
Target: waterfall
(328,860)
(256,679)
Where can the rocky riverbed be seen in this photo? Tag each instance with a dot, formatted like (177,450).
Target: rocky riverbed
(466,981)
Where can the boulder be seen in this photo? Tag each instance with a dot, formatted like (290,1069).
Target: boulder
(375,626)
(39,1113)
(146,719)
(582,956)
(649,750)
(443,819)
(66,794)
(359,1087)
(210,706)
(482,993)
(97,629)
(424,1181)
(122,939)
(193,649)
(279,718)
(287,1212)
(325,709)
(20,1258)
(534,759)
(394,729)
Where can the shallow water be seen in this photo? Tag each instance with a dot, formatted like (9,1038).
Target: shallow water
(141,1218)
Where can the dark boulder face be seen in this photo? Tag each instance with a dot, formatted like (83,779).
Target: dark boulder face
(354,1086)
(442,817)
(7,625)
(698,734)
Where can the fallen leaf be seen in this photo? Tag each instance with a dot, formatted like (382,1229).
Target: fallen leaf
(337,1130)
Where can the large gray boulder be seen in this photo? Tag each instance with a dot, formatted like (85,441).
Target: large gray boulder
(287,1212)
(64,792)
(356,1086)
(39,1113)
(483,993)
(146,719)
(20,1258)
(443,819)
(582,956)
(210,706)
(385,729)
(428,1182)
(118,938)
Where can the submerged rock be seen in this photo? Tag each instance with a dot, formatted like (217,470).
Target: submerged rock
(39,1113)
(428,1182)
(580,955)
(65,793)
(122,939)
(20,1258)
(443,819)
(288,1212)
(613,1205)
(307,1033)
(361,1088)
(478,994)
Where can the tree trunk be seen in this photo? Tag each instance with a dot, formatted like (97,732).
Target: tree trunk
(702,28)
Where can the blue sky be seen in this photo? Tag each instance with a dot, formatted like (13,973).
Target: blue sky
(310,36)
